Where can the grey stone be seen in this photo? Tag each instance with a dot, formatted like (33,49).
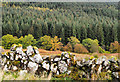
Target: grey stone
(22,72)
(112,60)
(62,66)
(57,58)
(79,63)
(19,50)
(115,74)
(5,68)
(30,50)
(99,69)
(32,67)
(54,68)
(69,71)
(64,55)
(100,60)
(46,65)
(38,58)
(92,61)
(15,68)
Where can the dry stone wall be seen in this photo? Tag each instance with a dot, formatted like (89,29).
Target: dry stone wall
(30,61)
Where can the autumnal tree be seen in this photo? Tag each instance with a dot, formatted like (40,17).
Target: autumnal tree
(45,42)
(79,48)
(114,47)
(73,40)
(56,44)
(67,47)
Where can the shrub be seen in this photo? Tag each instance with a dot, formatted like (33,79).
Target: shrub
(79,48)
(27,40)
(107,52)
(73,41)
(91,57)
(96,56)
(101,50)
(68,47)
(8,40)
(48,43)
(114,47)
(45,42)
(91,45)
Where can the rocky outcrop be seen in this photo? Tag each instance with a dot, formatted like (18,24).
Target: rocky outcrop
(30,61)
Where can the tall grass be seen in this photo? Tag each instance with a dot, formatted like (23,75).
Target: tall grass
(16,76)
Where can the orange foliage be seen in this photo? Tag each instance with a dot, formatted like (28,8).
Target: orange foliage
(79,48)
(56,44)
(114,47)
(68,47)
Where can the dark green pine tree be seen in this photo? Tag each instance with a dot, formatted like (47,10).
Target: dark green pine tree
(16,29)
(50,26)
(90,32)
(21,28)
(78,31)
(37,30)
(58,28)
(100,34)
(74,29)
(9,28)
(118,32)
(67,29)
(114,32)
(53,30)
(62,35)
(83,32)
(95,31)
(25,28)
(45,28)
(106,29)
(4,30)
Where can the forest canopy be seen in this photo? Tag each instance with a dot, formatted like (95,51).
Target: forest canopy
(81,20)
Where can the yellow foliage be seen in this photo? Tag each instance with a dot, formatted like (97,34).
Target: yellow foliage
(55,43)
(14,45)
(113,57)
(20,45)
(91,57)
(58,54)
(114,47)
(3,53)
(109,71)
(35,47)
(73,40)
(42,9)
